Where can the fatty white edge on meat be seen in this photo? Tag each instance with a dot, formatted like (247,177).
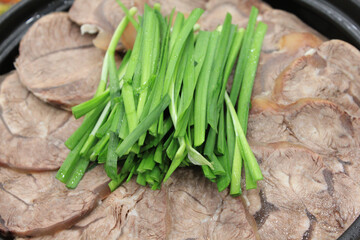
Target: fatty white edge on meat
(311,51)
(89,28)
(246,200)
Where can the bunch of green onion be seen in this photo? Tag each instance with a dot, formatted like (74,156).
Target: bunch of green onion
(166,105)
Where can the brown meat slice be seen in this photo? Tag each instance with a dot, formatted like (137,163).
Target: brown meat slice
(273,62)
(281,23)
(300,196)
(199,211)
(332,71)
(350,163)
(318,124)
(36,203)
(286,39)
(98,16)
(32,132)
(130,212)
(84,12)
(57,63)
(52,33)
(188,207)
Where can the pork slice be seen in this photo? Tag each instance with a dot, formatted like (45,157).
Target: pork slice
(272,62)
(187,207)
(58,64)
(323,124)
(281,23)
(267,123)
(52,33)
(286,39)
(331,71)
(32,132)
(350,163)
(36,203)
(300,196)
(130,212)
(99,17)
(84,12)
(198,211)
(318,124)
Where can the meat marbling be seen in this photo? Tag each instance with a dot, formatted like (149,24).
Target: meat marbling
(326,72)
(286,39)
(32,132)
(301,196)
(316,123)
(311,127)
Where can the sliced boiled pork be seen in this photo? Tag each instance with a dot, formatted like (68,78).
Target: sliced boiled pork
(306,140)
(32,132)
(301,197)
(57,63)
(187,207)
(286,39)
(198,211)
(36,203)
(330,71)
(99,17)
(316,123)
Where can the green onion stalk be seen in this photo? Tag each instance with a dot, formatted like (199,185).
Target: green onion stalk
(172,85)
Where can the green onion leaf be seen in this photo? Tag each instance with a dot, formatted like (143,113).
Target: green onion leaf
(248,155)
(201,92)
(243,56)
(249,75)
(111,161)
(85,107)
(130,140)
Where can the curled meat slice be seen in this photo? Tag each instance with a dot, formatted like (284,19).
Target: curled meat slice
(331,71)
(318,124)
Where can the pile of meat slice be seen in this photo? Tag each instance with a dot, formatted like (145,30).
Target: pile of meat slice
(304,129)
(306,136)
